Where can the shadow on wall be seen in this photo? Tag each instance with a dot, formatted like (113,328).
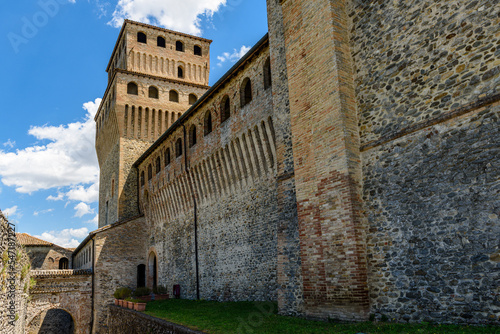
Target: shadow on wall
(56,321)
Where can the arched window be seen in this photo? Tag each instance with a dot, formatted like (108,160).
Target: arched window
(179,46)
(153,92)
(246,92)
(142,38)
(158,164)
(178,147)
(208,123)
(267,74)
(192,136)
(150,172)
(142,179)
(197,50)
(192,99)
(63,263)
(180,72)
(167,157)
(132,88)
(225,109)
(174,96)
(160,41)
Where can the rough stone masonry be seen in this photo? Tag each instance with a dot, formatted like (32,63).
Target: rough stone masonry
(347,166)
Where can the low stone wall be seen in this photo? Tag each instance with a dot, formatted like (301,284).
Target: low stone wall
(14,280)
(121,320)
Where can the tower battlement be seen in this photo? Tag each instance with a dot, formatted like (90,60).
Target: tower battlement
(154,76)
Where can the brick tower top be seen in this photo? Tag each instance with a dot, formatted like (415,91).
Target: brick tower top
(162,53)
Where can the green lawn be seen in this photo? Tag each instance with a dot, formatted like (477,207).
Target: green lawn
(260,317)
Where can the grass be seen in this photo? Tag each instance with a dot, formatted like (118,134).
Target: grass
(261,317)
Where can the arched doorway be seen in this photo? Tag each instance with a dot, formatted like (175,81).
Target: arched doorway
(63,263)
(52,321)
(152,270)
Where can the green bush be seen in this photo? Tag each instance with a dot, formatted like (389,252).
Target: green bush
(139,292)
(122,293)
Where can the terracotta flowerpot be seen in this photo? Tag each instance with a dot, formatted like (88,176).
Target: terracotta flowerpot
(121,303)
(141,307)
(130,305)
(161,297)
(117,302)
(145,298)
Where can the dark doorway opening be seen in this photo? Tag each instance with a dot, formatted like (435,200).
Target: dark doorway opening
(56,321)
(141,276)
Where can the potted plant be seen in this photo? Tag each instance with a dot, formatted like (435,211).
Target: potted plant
(130,303)
(117,295)
(120,295)
(161,292)
(143,294)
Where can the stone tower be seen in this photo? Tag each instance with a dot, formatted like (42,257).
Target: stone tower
(154,75)
(331,279)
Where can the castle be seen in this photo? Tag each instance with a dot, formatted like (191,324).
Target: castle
(347,165)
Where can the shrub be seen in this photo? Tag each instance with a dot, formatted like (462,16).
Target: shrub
(139,292)
(160,290)
(122,293)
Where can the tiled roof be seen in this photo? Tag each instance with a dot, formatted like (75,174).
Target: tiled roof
(27,240)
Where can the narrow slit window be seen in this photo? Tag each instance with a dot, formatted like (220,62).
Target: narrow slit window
(246,92)
(192,136)
(158,165)
(178,148)
(208,123)
(267,74)
(167,157)
(225,109)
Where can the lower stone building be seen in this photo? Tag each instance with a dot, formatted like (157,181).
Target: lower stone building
(45,255)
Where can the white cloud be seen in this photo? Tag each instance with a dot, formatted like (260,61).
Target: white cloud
(87,195)
(36,213)
(172,14)
(59,197)
(94,221)
(10,211)
(68,159)
(82,209)
(9,143)
(69,238)
(233,57)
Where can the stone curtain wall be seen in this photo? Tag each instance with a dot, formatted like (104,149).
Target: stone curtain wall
(427,78)
(434,231)
(122,320)
(13,302)
(417,59)
(231,174)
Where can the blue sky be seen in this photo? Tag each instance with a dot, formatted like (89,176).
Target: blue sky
(53,59)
